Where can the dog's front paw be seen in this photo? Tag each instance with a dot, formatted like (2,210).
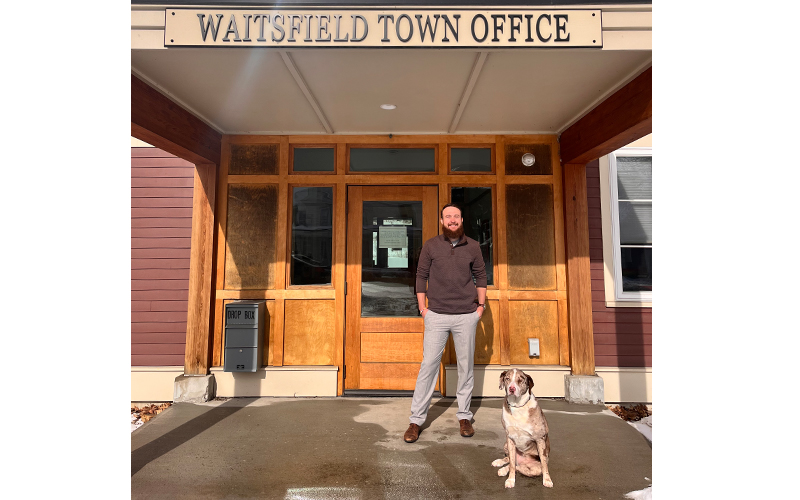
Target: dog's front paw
(500,462)
(503,471)
(510,483)
(547,482)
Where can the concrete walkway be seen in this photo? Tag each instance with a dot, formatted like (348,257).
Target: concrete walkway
(352,448)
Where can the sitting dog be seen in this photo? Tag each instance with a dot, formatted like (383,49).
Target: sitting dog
(527,444)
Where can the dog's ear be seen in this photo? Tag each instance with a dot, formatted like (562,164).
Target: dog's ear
(530,383)
(503,380)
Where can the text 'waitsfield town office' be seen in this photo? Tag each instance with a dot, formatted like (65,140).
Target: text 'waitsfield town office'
(289,159)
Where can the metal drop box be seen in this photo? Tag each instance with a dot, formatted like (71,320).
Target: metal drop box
(244,335)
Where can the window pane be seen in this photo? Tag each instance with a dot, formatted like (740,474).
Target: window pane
(390,247)
(471,159)
(635,223)
(312,230)
(313,160)
(476,202)
(635,177)
(637,269)
(392,160)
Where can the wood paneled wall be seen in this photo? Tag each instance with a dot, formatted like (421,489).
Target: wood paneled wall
(161,227)
(306,324)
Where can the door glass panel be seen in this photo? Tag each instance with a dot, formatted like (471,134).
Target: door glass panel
(312,242)
(476,205)
(390,246)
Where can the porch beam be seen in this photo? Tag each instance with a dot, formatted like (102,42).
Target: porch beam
(625,116)
(162,123)
(579,283)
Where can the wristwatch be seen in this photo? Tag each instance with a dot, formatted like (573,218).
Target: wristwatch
(483,306)
(421,310)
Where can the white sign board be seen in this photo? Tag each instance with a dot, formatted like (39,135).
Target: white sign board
(392,237)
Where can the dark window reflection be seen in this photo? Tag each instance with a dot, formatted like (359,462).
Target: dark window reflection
(313,160)
(392,160)
(312,231)
(637,269)
(390,246)
(471,159)
(476,205)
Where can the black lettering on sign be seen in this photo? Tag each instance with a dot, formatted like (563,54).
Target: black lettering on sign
(538,30)
(410,28)
(561,27)
(385,18)
(232,30)
(249,315)
(495,18)
(427,27)
(485,28)
(278,27)
(447,24)
(355,28)
(204,28)
(262,18)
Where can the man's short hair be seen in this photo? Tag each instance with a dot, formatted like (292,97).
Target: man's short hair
(441,212)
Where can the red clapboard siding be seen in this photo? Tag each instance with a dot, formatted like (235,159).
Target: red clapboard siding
(162,182)
(161,284)
(159,295)
(161,232)
(160,316)
(157,338)
(623,361)
(159,305)
(157,360)
(161,202)
(157,349)
(161,228)
(156,222)
(159,253)
(157,274)
(159,264)
(160,192)
(623,336)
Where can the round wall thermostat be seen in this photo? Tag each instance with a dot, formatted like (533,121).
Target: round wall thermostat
(528,159)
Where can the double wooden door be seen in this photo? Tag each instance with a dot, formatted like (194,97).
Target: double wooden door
(386,228)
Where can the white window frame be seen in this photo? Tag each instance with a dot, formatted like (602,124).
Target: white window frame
(609,208)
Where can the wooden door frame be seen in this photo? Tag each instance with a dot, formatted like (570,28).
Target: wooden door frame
(355,198)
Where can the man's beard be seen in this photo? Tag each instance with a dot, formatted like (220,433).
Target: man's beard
(451,235)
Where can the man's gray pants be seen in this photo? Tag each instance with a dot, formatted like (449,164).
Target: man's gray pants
(437,329)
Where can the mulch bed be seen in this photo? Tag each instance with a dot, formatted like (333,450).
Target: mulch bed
(631,413)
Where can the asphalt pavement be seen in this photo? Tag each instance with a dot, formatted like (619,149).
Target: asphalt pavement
(352,448)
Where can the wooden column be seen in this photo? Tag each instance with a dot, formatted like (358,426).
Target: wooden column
(622,118)
(579,285)
(162,123)
(198,321)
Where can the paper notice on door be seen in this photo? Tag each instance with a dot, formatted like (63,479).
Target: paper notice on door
(392,237)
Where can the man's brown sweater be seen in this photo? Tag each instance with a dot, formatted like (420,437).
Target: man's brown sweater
(448,271)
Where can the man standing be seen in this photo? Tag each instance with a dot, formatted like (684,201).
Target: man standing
(447,265)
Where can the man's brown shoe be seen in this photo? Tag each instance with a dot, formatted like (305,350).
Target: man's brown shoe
(412,434)
(466,428)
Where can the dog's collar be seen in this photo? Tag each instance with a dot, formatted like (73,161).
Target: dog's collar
(523,404)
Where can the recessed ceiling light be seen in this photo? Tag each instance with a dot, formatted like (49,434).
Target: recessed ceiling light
(388,106)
